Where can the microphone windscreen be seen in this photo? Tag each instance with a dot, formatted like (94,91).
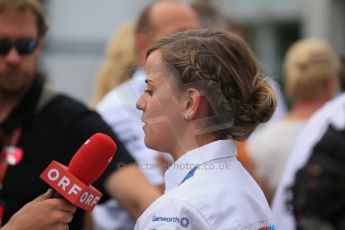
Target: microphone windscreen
(92,158)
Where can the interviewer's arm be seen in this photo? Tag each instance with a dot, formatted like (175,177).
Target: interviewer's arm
(43,213)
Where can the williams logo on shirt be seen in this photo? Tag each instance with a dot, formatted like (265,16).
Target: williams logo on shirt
(184,221)
(272,227)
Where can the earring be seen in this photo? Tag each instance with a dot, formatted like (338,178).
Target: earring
(186,117)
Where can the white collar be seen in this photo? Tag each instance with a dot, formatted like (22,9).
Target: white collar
(212,151)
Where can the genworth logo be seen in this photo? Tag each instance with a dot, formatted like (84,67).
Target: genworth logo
(184,221)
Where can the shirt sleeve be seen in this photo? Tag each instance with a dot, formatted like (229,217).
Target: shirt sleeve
(172,214)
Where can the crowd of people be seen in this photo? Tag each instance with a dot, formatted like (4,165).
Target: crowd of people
(182,97)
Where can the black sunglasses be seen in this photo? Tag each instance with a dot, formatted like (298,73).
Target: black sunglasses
(23,46)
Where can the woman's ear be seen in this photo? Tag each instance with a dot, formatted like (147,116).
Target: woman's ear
(192,103)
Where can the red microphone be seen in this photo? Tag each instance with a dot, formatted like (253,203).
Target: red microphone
(86,166)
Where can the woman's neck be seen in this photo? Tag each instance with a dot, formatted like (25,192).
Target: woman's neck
(192,142)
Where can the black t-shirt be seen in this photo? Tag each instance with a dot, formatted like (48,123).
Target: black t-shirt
(319,186)
(55,132)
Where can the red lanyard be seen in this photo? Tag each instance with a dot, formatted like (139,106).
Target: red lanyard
(10,154)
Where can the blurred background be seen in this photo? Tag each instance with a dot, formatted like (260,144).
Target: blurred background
(80,30)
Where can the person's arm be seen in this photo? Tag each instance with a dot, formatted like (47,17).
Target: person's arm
(133,191)
(42,213)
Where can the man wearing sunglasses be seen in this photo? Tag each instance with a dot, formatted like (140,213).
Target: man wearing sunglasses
(38,125)
(19,51)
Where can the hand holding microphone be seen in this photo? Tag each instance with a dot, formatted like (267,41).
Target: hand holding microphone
(42,213)
(86,166)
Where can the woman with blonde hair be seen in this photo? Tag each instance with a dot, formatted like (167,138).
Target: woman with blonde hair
(204,92)
(119,62)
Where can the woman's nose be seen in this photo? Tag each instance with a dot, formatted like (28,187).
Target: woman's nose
(141,104)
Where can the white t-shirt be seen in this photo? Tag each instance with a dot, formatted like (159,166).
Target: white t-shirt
(270,147)
(208,188)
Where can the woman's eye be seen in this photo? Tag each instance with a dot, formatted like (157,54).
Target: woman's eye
(148,92)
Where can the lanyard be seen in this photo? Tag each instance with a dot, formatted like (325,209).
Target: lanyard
(10,154)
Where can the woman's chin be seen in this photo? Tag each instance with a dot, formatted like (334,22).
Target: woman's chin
(147,143)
